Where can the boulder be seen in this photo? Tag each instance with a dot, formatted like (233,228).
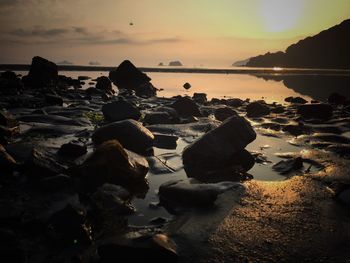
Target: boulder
(111,163)
(128,77)
(200,97)
(235,102)
(112,198)
(316,111)
(73,149)
(287,166)
(41,164)
(158,117)
(165,141)
(130,133)
(186,107)
(296,100)
(217,149)
(257,109)
(120,110)
(7,119)
(192,193)
(187,86)
(137,247)
(146,90)
(42,73)
(103,83)
(9,75)
(223,113)
(68,225)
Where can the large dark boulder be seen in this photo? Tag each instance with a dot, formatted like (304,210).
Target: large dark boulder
(191,193)
(111,163)
(128,77)
(112,198)
(316,111)
(200,98)
(7,119)
(103,83)
(221,149)
(257,109)
(186,107)
(130,133)
(297,100)
(42,73)
(73,149)
(120,110)
(223,113)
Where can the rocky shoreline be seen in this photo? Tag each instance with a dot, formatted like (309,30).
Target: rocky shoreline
(74,162)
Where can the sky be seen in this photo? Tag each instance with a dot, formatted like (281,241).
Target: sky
(207,33)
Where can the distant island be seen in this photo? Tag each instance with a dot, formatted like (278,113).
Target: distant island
(328,49)
(175,63)
(240,63)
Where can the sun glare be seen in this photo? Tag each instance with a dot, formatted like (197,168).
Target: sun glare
(281,15)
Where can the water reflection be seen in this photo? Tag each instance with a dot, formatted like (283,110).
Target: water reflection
(317,87)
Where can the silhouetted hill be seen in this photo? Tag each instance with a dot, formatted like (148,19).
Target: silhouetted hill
(328,49)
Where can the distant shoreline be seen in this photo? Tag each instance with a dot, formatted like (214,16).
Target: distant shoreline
(243,70)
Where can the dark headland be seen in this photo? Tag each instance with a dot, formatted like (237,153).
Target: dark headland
(328,49)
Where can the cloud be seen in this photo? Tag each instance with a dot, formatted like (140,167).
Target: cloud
(81,30)
(38,32)
(79,35)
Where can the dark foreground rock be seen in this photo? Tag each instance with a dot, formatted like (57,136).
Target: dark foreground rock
(316,111)
(223,113)
(73,149)
(110,163)
(128,77)
(120,110)
(220,149)
(42,73)
(192,193)
(103,83)
(186,107)
(257,109)
(112,198)
(130,133)
(200,98)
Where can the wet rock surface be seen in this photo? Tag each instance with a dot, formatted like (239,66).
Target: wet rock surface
(71,193)
(216,150)
(130,133)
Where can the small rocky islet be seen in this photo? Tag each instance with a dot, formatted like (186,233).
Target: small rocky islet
(75,162)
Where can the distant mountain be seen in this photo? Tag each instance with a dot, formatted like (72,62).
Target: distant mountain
(240,63)
(328,49)
(65,62)
(175,63)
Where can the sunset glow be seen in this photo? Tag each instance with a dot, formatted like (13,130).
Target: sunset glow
(198,33)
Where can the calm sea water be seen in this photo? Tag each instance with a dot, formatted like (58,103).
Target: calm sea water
(271,87)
